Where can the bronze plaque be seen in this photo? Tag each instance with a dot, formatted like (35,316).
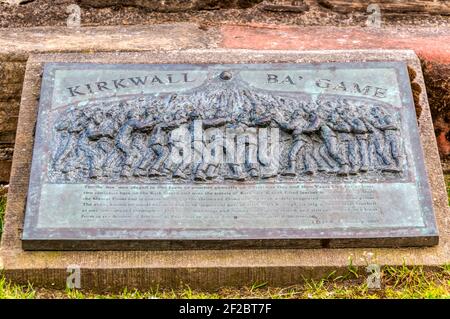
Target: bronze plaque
(227,156)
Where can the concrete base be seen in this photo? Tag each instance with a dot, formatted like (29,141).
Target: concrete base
(208,269)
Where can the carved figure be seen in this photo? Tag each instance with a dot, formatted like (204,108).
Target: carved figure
(386,124)
(214,133)
(68,128)
(296,127)
(123,140)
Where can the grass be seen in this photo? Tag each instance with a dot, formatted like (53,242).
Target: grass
(396,282)
(8,291)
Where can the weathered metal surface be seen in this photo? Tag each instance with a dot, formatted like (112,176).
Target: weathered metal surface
(211,156)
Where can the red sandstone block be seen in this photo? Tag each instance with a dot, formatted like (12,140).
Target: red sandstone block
(429,43)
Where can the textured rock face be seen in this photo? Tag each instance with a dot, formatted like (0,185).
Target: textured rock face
(437,78)
(283,12)
(172,5)
(390,6)
(10,88)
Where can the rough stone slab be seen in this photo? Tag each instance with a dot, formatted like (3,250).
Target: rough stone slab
(16,44)
(9,108)
(8,124)
(142,269)
(298,13)
(9,113)
(11,72)
(172,6)
(430,44)
(437,79)
(10,91)
(5,167)
(390,6)
(8,138)
(6,152)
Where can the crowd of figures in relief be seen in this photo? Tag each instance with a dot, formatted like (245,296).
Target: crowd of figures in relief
(134,139)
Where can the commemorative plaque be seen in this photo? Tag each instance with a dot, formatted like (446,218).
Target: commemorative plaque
(159,156)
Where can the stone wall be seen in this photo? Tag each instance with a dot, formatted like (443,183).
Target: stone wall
(32,13)
(437,78)
(12,73)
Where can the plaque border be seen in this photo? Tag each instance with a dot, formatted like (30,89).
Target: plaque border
(34,239)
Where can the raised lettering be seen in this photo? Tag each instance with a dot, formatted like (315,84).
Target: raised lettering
(272,78)
(341,87)
(118,83)
(88,86)
(185,77)
(138,80)
(364,91)
(102,86)
(287,79)
(156,79)
(323,83)
(74,91)
(169,77)
(380,92)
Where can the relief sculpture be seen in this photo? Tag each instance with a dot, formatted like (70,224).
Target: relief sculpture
(225,131)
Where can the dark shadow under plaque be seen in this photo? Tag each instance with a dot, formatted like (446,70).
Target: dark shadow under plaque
(227,156)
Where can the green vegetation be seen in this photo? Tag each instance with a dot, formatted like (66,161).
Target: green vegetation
(396,282)
(8,291)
